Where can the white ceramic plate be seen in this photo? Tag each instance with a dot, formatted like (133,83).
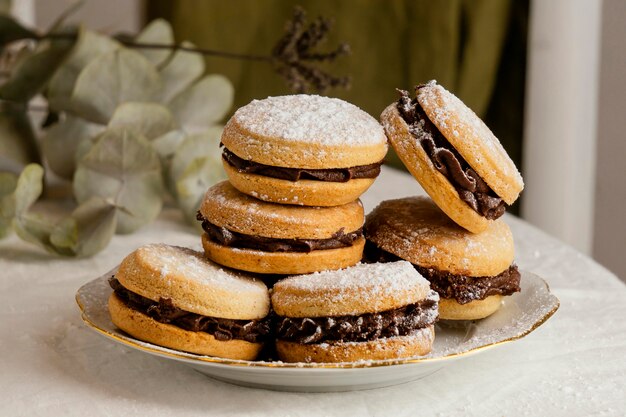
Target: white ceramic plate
(519,315)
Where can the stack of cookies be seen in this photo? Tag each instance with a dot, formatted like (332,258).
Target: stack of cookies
(296,167)
(456,240)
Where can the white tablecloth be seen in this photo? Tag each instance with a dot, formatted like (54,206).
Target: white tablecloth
(53,365)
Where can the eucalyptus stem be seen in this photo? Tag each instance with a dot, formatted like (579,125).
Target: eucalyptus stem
(172,47)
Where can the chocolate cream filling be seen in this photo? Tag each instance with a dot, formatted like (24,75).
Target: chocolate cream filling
(462,288)
(296,174)
(226,237)
(163,311)
(401,321)
(471,187)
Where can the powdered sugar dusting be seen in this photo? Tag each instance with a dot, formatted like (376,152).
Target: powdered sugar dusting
(415,229)
(369,284)
(168,260)
(450,114)
(311,119)
(386,278)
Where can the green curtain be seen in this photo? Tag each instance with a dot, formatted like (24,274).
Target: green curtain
(394,43)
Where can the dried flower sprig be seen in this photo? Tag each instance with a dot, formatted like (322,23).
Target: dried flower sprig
(293,54)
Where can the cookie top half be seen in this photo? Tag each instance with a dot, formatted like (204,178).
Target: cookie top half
(416,230)
(224,206)
(472,139)
(193,283)
(364,288)
(305,131)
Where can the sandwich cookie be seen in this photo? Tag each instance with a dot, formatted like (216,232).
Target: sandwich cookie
(454,156)
(471,272)
(303,149)
(366,312)
(252,235)
(173,297)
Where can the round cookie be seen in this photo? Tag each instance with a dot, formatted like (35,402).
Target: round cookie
(303,150)
(475,179)
(368,311)
(174,297)
(470,271)
(252,235)
(143,327)
(471,137)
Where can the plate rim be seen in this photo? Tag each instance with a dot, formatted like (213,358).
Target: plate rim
(213,360)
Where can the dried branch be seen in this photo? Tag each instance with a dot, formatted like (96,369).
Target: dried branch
(293,55)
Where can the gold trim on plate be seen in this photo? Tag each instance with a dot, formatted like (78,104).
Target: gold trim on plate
(190,357)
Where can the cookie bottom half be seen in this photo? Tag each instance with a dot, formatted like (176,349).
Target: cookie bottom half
(283,262)
(417,344)
(301,192)
(449,309)
(143,327)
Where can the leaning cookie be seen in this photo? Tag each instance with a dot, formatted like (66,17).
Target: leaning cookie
(453,154)
(303,149)
(252,235)
(470,271)
(173,297)
(366,312)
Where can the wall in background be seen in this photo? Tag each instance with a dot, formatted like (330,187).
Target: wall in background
(559,147)
(609,246)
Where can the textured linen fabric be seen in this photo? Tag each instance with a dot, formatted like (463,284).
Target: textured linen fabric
(53,365)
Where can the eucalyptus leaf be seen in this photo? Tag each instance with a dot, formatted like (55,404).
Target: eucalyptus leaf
(205,144)
(60,143)
(88,46)
(35,228)
(166,144)
(87,230)
(31,227)
(83,149)
(17,139)
(199,175)
(180,72)
(111,79)
(196,151)
(11,30)
(158,31)
(204,103)
(31,74)
(28,188)
(150,120)
(8,182)
(122,167)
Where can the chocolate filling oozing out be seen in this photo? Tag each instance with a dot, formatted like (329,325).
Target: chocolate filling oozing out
(471,187)
(296,174)
(163,311)
(462,288)
(402,321)
(233,239)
